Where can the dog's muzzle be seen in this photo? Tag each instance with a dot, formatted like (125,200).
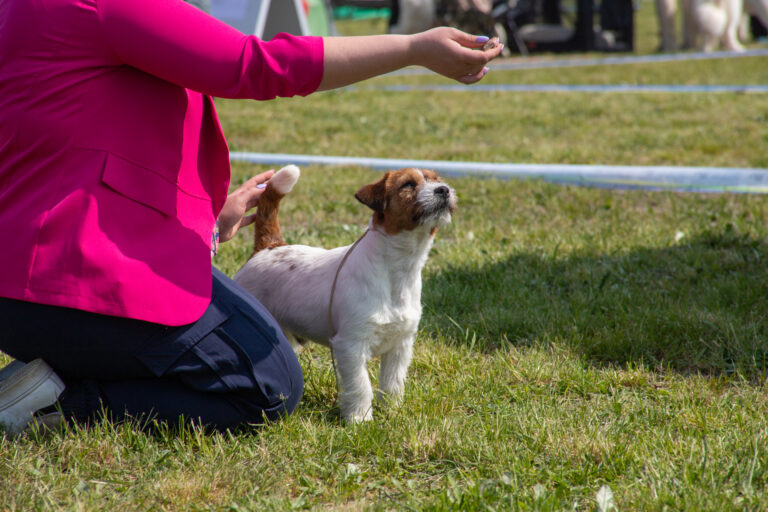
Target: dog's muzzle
(436,202)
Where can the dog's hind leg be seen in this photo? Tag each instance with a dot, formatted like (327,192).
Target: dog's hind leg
(266,228)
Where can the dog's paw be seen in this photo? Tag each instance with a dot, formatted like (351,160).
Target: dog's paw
(388,399)
(357,414)
(359,418)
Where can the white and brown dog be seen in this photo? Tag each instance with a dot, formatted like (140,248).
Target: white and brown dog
(373,286)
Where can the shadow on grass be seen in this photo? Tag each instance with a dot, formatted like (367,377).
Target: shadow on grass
(701,305)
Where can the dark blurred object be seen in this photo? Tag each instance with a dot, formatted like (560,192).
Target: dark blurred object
(394,12)
(547,25)
(756,27)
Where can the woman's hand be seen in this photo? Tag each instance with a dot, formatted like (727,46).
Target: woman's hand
(232,216)
(453,53)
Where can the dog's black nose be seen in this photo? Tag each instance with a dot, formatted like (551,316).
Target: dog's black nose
(442,190)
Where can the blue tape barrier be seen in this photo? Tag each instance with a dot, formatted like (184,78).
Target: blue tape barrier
(688,179)
(609,88)
(527,63)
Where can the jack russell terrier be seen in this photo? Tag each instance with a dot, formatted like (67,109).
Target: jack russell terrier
(362,300)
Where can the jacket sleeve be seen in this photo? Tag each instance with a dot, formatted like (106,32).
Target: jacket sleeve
(182,45)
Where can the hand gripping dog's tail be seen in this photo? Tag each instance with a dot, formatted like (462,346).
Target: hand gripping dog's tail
(266,231)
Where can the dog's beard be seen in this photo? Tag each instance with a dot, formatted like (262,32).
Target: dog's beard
(434,209)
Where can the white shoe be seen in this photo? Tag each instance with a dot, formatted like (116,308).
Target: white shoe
(10,369)
(33,387)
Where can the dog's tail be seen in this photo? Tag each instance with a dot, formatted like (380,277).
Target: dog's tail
(266,228)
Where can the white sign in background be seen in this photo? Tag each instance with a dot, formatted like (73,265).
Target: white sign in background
(262,18)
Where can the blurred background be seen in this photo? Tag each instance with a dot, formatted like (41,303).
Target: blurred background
(541,26)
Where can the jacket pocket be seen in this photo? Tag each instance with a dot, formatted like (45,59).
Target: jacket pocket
(140,184)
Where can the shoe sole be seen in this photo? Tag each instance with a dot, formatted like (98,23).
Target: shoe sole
(30,389)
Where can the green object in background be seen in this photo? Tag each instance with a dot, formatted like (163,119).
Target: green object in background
(317,19)
(359,13)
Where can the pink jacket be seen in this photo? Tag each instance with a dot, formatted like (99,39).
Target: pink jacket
(113,165)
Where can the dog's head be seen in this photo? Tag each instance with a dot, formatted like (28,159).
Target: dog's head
(409,198)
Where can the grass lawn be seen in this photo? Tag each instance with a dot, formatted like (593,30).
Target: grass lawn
(572,338)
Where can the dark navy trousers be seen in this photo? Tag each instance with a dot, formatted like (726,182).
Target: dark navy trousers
(230,368)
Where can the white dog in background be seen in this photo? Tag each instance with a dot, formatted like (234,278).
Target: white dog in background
(709,24)
(415,16)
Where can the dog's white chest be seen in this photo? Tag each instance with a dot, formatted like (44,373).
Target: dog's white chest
(392,328)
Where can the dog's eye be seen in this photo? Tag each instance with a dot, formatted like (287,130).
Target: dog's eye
(408,184)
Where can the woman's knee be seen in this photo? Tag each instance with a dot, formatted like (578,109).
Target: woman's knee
(278,382)
(284,389)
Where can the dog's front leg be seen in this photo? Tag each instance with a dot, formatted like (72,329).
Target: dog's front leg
(356,393)
(394,367)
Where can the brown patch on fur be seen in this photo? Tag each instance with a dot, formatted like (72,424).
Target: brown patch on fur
(266,228)
(433,231)
(393,198)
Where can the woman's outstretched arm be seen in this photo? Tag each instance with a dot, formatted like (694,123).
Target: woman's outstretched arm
(444,50)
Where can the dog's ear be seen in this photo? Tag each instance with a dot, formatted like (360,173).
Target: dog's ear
(374,196)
